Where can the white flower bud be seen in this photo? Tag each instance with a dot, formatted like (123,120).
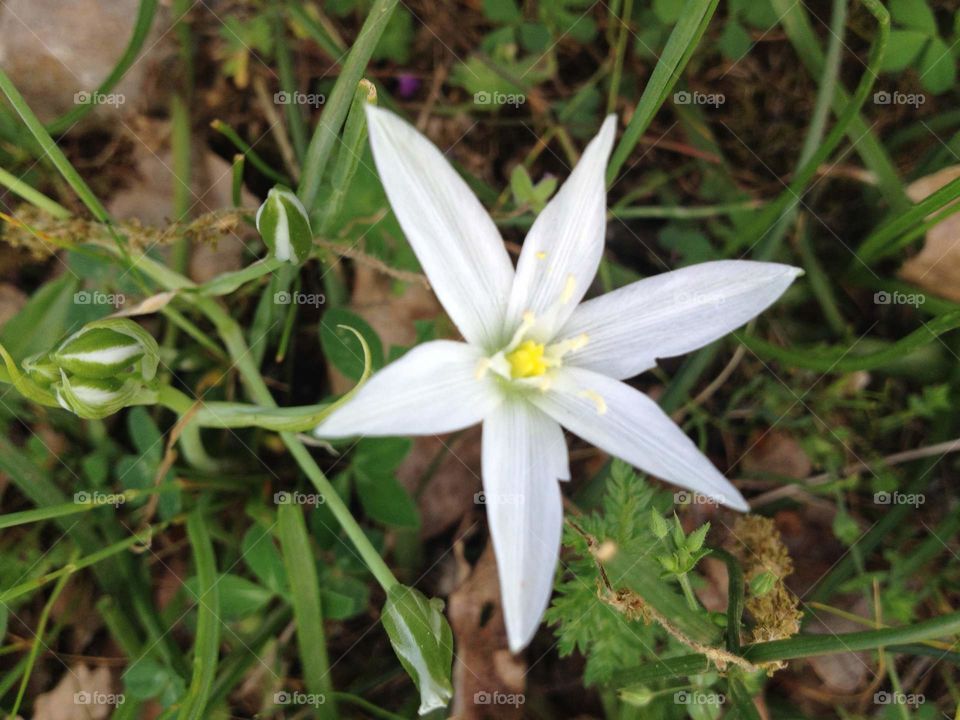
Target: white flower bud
(284,225)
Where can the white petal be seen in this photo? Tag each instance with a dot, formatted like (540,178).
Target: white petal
(672,313)
(525,514)
(454,238)
(629,425)
(562,251)
(432,389)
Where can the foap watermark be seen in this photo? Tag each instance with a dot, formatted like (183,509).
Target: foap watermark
(898,698)
(99,498)
(898,498)
(298,298)
(898,298)
(685,97)
(485,498)
(85,97)
(284,697)
(298,498)
(698,697)
(95,697)
(499,98)
(299,98)
(684,297)
(883,97)
(685,497)
(498,698)
(95,297)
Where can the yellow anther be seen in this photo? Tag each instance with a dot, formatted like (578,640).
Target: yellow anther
(541,255)
(597,399)
(568,290)
(527,360)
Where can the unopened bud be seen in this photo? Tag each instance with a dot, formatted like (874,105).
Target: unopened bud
(283,224)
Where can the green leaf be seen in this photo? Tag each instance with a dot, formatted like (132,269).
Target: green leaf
(342,348)
(501,11)
(914,14)
(239,597)
(146,679)
(301,569)
(902,49)
(696,538)
(397,38)
(937,67)
(385,500)
(4,617)
(735,41)
(145,434)
(380,456)
(262,557)
(423,641)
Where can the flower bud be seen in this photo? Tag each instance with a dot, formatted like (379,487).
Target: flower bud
(106,348)
(283,224)
(95,398)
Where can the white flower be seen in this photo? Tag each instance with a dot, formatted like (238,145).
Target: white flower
(534,357)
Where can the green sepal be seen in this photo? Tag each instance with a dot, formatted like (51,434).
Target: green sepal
(25,385)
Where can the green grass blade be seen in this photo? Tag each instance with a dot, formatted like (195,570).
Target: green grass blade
(694,19)
(206,649)
(298,557)
(335,110)
(844,359)
(141,30)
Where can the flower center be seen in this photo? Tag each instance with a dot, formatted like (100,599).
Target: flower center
(527,360)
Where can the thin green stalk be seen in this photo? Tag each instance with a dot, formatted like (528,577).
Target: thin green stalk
(796,23)
(244,147)
(843,359)
(683,213)
(288,82)
(618,56)
(37,642)
(86,561)
(735,591)
(683,40)
(33,196)
(799,646)
(141,30)
(335,110)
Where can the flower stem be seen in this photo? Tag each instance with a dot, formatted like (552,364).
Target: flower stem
(688,592)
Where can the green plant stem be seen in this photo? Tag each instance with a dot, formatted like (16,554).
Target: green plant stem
(801,646)
(141,30)
(335,110)
(33,196)
(244,147)
(842,359)
(688,592)
(619,54)
(37,642)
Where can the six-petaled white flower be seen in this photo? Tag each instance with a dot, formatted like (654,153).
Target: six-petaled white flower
(534,358)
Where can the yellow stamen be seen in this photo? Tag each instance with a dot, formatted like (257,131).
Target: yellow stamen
(568,290)
(482,367)
(541,255)
(527,360)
